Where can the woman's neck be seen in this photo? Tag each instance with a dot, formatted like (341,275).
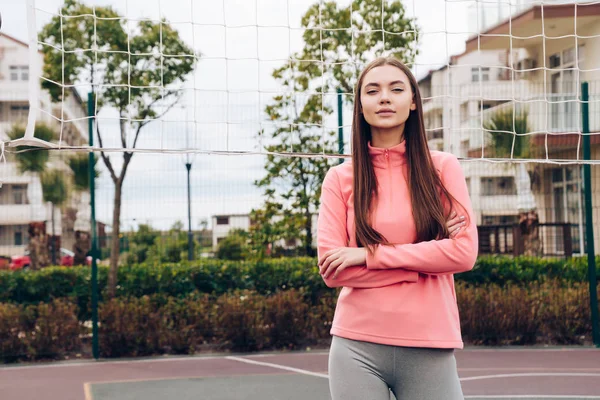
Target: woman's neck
(386,138)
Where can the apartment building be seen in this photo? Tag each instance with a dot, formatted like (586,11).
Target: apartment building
(528,61)
(21,200)
(222,225)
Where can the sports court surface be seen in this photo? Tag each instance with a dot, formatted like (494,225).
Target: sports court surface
(523,373)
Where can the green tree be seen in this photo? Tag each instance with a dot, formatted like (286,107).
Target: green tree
(507,132)
(80,165)
(171,246)
(34,161)
(506,129)
(294,182)
(267,227)
(129,73)
(55,190)
(234,246)
(140,243)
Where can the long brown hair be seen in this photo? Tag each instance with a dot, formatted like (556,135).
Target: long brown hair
(425,185)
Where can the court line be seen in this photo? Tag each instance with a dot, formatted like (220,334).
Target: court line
(531,396)
(538,350)
(87,389)
(102,362)
(278,366)
(496,376)
(176,378)
(538,369)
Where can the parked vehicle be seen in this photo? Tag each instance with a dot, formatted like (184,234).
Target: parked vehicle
(23,262)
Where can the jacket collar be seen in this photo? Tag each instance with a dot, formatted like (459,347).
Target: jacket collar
(392,156)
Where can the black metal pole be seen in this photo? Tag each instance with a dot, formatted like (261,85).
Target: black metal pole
(340,106)
(188,165)
(589,220)
(94,232)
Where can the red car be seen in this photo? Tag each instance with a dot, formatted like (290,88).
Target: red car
(23,262)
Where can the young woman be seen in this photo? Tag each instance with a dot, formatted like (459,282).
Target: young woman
(394,226)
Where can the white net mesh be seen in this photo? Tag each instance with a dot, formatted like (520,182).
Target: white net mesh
(524,61)
(501,83)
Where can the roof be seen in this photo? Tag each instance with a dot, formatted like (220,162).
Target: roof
(536,12)
(14,39)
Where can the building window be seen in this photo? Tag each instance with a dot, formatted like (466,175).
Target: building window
(18,111)
(499,219)
(18,238)
(464,111)
(498,186)
(19,72)
(19,193)
(554,60)
(222,220)
(484,72)
(14,73)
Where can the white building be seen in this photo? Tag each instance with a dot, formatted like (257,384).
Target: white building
(21,194)
(223,224)
(542,75)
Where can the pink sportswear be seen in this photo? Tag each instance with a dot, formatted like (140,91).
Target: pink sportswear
(404,295)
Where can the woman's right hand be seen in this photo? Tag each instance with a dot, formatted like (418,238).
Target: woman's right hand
(455,224)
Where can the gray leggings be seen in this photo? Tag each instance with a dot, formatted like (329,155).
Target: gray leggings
(368,371)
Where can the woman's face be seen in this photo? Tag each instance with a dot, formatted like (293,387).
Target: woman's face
(386,97)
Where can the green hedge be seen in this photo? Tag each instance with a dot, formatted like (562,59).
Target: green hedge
(264,277)
(551,312)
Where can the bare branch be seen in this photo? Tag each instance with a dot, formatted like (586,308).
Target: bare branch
(126,160)
(104,157)
(144,123)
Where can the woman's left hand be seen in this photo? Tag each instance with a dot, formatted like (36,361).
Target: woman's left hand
(337,260)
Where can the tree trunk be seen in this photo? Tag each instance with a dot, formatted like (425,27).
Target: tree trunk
(81,247)
(115,242)
(38,245)
(53,241)
(308,248)
(530,233)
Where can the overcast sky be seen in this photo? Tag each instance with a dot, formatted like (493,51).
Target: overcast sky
(155,188)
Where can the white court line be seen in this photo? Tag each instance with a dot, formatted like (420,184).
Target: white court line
(533,396)
(535,350)
(93,363)
(472,378)
(476,378)
(66,364)
(278,366)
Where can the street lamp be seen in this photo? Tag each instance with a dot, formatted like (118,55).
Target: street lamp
(188,166)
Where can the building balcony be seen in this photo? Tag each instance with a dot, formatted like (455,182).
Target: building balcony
(552,117)
(17,91)
(500,90)
(496,205)
(533,23)
(16,214)
(433,104)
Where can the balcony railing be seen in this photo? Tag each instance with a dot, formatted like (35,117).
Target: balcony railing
(556,239)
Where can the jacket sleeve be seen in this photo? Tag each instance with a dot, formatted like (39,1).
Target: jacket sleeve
(332,233)
(445,256)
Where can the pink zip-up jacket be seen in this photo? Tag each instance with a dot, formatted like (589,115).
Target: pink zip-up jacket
(404,295)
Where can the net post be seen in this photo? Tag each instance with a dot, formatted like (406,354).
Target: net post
(589,223)
(94,233)
(340,105)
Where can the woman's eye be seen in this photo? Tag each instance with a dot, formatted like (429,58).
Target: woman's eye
(398,90)
(372,91)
